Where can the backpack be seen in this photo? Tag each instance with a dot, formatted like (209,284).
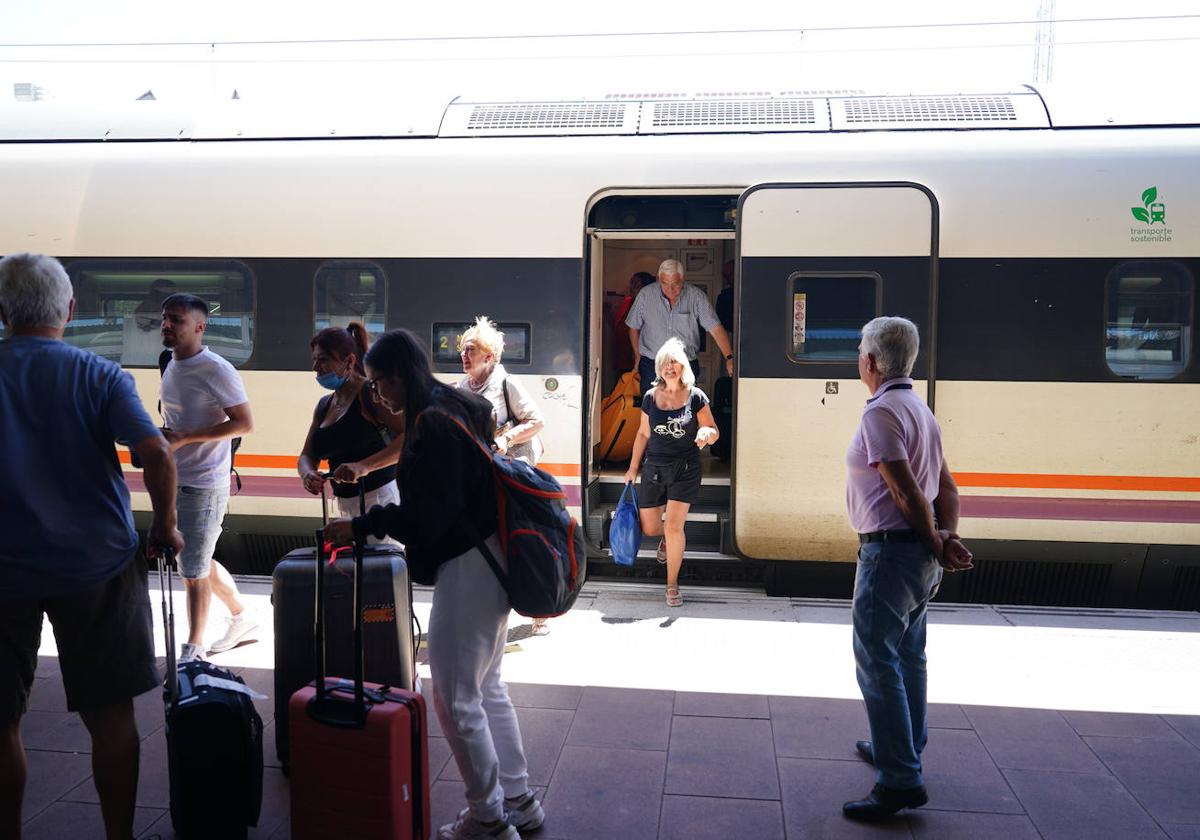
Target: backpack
(164,359)
(547,565)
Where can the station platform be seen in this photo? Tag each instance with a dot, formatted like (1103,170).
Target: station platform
(735,716)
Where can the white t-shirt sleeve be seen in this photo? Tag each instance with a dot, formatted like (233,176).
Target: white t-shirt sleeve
(226,386)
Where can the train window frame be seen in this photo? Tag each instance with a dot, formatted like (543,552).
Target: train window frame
(789,303)
(154,269)
(504,327)
(345,264)
(1134,371)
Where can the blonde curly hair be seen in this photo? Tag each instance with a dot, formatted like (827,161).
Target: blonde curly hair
(486,336)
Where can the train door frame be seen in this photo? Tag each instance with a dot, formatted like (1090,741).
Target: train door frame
(928,337)
(593,242)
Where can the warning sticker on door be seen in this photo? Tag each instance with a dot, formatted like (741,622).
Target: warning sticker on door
(799,319)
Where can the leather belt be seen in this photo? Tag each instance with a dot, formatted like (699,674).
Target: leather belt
(900,535)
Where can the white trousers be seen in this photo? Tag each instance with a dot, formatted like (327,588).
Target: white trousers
(387,494)
(468,629)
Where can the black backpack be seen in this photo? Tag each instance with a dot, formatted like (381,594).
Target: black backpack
(164,359)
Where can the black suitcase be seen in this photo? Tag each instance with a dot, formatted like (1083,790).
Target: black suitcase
(722,409)
(214,743)
(389,640)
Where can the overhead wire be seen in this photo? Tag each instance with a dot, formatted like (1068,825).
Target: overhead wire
(576,35)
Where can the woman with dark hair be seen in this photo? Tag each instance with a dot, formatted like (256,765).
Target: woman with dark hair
(447,500)
(360,440)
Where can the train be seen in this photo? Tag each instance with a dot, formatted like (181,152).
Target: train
(1045,242)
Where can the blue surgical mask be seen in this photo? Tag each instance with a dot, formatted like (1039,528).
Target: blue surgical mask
(331,381)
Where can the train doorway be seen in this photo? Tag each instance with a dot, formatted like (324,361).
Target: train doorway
(816,262)
(628,237)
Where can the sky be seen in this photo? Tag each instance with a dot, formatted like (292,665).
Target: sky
(193,53)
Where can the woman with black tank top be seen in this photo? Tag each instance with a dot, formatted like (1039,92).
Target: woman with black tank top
(676,424)
(361,441)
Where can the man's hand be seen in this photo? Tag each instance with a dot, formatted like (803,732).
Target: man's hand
(955,556)
(176,439)
(729,367)
(350,472)
(339,532)
(161,536)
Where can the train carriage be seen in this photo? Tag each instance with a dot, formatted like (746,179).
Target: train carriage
(1046,247)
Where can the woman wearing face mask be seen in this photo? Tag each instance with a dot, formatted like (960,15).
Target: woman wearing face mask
(360,440)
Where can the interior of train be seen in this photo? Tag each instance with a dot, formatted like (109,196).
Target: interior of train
(630,236)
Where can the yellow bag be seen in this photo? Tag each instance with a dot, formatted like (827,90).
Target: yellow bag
(620,418)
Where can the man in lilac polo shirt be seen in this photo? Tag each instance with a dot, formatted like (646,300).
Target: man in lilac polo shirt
(903,503)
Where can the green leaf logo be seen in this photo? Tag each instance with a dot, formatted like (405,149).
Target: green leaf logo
(1149,196)
(1140,213)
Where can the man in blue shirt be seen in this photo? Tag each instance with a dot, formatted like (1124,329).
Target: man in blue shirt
(70,549)
(672,309)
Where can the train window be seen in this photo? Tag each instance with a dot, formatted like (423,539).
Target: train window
(446,338)
(118,306)
(351,291)
(1148,325)
(826,312)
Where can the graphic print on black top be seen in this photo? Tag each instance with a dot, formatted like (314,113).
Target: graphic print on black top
(673,431)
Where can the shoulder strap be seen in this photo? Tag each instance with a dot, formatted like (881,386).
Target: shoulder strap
(507,405)
(164,359)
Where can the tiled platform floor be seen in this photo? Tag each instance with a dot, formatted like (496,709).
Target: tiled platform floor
(632,763)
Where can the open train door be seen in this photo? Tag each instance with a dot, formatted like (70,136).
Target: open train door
(815,263)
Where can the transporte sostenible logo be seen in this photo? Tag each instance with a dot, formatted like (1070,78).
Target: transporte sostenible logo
(1152,212)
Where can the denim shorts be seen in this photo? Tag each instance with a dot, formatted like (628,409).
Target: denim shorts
(200,511)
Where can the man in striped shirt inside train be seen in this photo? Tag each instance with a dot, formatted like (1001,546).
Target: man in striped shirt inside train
(903,503)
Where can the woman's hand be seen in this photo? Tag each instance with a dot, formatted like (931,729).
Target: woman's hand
(339,532)
(502,442)
(350,472)
(312,482)
(631,475)
(705,436)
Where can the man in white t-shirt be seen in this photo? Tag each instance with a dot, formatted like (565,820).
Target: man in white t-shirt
(204,405)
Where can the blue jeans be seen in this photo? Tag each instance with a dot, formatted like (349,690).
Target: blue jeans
(892,588)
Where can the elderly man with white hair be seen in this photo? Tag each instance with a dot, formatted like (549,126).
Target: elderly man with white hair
(903,503)
(70,549)
(672,309)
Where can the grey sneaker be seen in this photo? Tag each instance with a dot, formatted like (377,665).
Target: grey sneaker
(241,628)
(190,653)
(524,813)
(466,827)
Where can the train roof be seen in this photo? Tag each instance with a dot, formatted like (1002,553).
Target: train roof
(632,113)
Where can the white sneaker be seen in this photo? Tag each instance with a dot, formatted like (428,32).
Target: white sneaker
(466,827)
(241,628)
(524,813)
(190,653)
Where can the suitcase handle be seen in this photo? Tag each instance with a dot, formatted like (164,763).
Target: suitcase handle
(322,707)
(167,558)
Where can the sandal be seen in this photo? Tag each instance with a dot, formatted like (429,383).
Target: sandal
(674,599)
(661,554)
(540,628)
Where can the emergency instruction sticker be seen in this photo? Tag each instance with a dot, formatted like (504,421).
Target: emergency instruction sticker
(799,319)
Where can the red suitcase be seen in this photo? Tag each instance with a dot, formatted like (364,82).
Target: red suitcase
(359,751)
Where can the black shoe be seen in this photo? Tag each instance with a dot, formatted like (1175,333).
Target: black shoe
(883,802)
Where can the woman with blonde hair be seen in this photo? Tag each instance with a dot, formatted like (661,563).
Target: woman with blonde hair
(676,424)
(518,420)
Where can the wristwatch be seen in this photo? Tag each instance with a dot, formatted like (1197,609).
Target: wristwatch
(729,357)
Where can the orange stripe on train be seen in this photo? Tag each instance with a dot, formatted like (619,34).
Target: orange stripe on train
(1037,481)
(288,462)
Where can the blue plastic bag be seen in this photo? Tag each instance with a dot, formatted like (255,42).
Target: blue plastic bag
(625,535)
